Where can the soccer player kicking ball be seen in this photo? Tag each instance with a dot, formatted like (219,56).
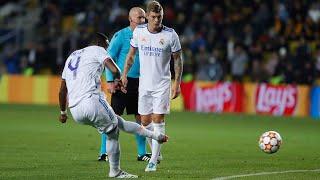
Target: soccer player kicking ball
(156,44)
(118,50)
(81,84)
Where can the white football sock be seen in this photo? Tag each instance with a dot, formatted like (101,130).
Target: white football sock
(114,156)
(158,128)
(150,128)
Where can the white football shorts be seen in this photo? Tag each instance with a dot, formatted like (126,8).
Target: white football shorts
(154,102)
(95,111)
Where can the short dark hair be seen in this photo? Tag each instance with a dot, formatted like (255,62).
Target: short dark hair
(154,6)
(101,39)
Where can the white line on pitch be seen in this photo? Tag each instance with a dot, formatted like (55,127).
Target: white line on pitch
(265,173)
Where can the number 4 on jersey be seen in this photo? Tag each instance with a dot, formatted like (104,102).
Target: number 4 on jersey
(75,67)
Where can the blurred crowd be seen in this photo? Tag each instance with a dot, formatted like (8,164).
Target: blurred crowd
(275,41)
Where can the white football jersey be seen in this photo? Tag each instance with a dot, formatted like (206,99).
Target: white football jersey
(155,51)
(82,73)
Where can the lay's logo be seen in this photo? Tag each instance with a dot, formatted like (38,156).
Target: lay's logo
(276,100)
(218,97)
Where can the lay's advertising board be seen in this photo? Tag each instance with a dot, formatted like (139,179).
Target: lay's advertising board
(278,100)
(213,97)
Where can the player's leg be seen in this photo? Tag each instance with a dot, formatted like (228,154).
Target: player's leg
(106,121)
(159,128)
(134,128)
(114,156)
(95,111)
(117,104)
(161,106)
(114,152)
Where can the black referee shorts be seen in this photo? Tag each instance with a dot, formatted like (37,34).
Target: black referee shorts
(128,101)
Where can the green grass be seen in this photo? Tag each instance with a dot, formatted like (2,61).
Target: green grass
(34,145)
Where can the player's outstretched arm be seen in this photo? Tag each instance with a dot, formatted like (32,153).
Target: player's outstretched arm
(127,65)
(178,68)
(63,101)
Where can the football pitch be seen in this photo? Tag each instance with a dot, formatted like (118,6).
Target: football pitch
(34,145)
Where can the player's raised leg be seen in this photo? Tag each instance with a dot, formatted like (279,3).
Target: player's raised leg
(134,128)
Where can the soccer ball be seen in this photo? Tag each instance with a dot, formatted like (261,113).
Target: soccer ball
(270,142)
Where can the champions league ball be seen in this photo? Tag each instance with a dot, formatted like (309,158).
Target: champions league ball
(270,142)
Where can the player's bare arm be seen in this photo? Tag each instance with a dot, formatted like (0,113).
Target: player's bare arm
(111,65)
(63,101)
(178,68)
(111,87)
(127,66)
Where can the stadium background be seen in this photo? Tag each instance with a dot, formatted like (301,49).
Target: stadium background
(274,42)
